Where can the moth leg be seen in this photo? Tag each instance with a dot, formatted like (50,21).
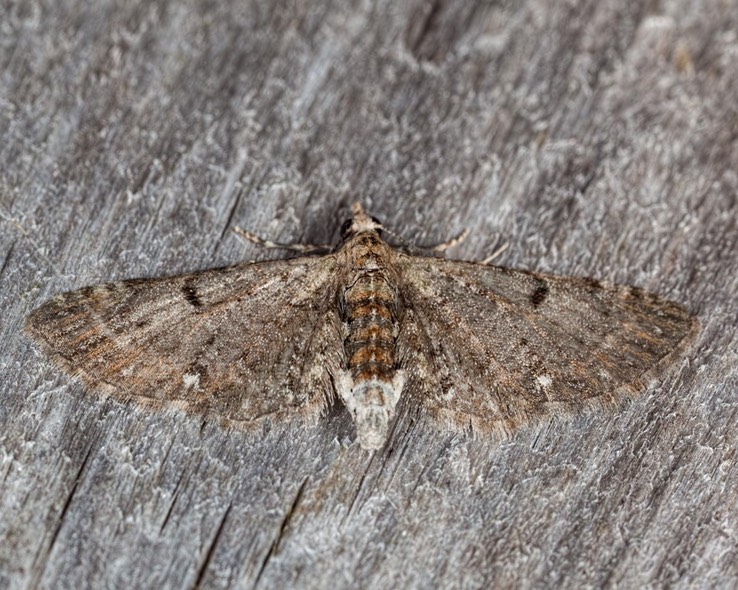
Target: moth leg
(304,248)
(495,254)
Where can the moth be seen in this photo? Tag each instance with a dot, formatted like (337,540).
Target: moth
(477,347)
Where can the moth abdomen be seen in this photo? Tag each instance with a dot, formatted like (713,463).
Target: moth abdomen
(371,383)
(371,321)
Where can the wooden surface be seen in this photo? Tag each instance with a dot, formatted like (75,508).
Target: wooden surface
(595,138)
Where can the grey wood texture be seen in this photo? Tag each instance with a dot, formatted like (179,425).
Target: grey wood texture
(595,138)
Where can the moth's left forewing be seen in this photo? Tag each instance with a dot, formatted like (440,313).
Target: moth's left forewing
(242,343)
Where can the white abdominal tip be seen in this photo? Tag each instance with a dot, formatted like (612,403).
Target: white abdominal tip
(372,425)
(372,406)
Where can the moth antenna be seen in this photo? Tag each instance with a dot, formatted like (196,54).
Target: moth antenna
(400,239)
(261,242)
(440,248)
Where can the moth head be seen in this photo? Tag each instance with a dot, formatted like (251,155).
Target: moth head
(360,222)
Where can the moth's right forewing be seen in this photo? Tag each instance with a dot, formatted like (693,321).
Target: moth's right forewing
(496,347)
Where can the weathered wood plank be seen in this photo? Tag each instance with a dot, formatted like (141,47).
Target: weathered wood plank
(596,139)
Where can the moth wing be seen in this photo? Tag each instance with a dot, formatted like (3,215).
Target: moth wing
(489,348)
(242,343)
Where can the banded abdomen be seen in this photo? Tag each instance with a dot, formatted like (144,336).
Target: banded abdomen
(371,322)
(370,308)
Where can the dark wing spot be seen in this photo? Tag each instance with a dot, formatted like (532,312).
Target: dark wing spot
(190,293)
(591,284)
(198,368)
(539,294)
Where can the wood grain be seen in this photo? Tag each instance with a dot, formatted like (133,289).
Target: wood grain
(596,139)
